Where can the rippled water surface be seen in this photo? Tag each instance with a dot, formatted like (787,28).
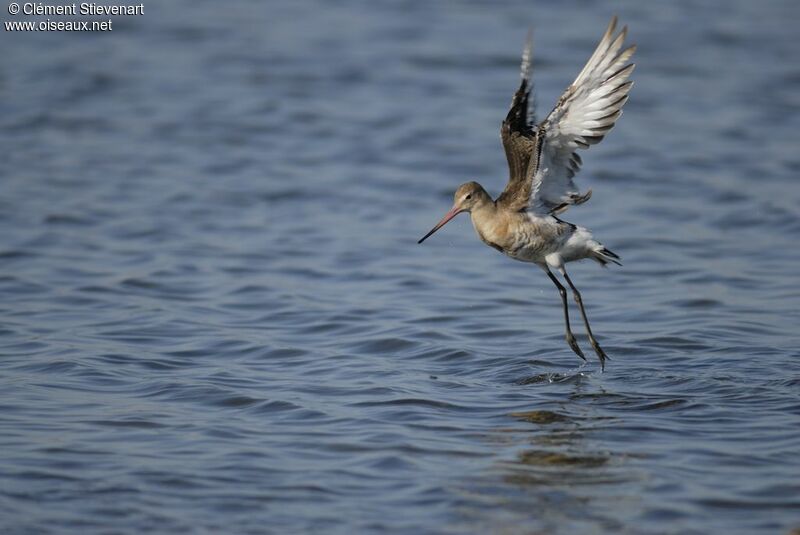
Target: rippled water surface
(215,317)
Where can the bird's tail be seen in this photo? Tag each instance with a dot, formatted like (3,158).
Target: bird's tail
(605,256)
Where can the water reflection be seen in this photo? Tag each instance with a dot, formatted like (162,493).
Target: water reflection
(555,471)
(559,449)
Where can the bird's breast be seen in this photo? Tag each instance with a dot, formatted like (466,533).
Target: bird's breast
(520,236)
(500,233)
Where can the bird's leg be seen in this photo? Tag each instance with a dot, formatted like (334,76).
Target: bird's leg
(597,349)
(570,337)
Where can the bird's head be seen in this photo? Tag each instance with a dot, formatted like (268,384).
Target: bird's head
(467,197)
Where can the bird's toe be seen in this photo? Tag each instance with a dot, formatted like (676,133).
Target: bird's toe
(600,354)
(573,343)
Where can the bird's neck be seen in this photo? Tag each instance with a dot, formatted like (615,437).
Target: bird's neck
(485,219)
(484,210)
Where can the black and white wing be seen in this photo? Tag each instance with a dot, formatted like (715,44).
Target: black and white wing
(584,114)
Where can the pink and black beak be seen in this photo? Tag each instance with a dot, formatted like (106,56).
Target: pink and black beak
(454,211)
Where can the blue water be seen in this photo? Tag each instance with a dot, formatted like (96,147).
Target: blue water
(215,317)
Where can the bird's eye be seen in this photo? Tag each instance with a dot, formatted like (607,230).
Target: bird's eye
(468,197)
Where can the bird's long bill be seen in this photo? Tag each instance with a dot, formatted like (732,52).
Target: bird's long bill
(454,211)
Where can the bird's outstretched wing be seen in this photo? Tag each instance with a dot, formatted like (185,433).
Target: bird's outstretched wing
(517,132)
(586,111)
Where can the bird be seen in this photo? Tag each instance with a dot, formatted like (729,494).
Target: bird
(525,222)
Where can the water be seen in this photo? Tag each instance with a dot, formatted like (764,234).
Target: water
(215,317)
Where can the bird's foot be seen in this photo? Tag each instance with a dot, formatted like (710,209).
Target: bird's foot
(574,345)
(600,353)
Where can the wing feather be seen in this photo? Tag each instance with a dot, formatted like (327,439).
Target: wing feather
(517,132)
(585,113)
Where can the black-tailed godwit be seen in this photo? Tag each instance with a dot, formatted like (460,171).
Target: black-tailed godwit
(523,222)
